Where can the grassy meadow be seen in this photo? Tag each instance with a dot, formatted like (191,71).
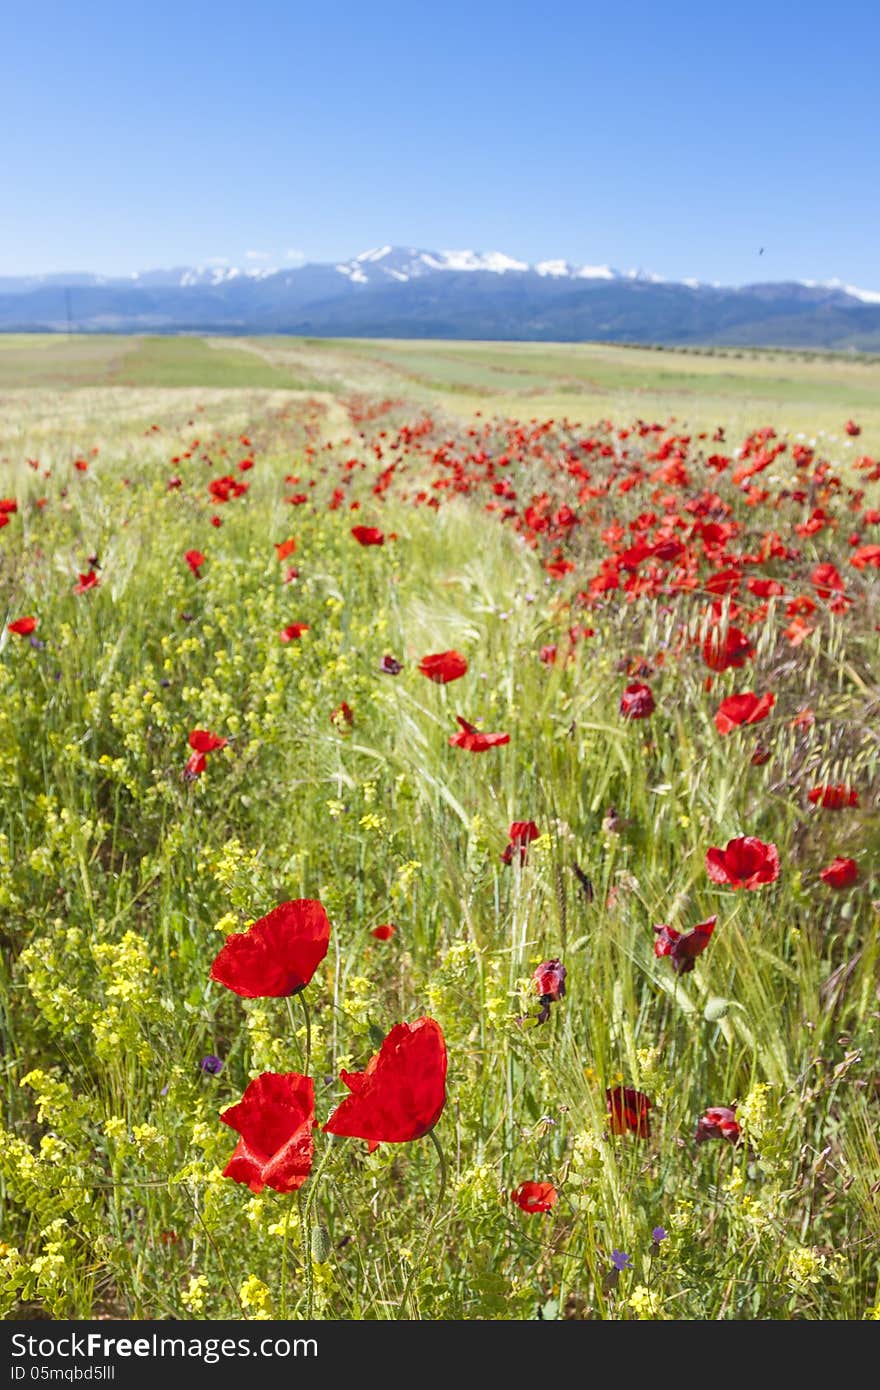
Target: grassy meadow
(575,521)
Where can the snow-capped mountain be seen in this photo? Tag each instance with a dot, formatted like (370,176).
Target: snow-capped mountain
(393,291)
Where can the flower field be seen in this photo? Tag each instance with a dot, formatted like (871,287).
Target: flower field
(438,858)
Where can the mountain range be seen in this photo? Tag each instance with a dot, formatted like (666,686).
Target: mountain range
(396,292)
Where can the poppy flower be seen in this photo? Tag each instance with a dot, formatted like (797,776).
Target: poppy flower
(401,1093)
(275,1118)
(637,701)
(443,667)
(195,559)
(278,955)
(22,627)
(833,798)
(840,873)
(521,835)
(385,932)
(533,1197)
(368,535)
(853,429)
(683,947)
(8,506)
(866,555)
(549,981)
(745,862)
(472,740)
(720,652)
(746,708)
(827,580)
(293,632)
(719,1122)
(86,582)
(628,1109)
(285,548)
(202,742)
(390,666)
(342,716)
(548,654)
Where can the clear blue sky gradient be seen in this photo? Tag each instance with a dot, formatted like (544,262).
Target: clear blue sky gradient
(679,137)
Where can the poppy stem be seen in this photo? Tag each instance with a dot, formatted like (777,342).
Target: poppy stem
(305,1221)
(308,1018)
(431,1224)
(284,1262)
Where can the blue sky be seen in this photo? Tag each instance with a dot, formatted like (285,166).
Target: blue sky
(671,136)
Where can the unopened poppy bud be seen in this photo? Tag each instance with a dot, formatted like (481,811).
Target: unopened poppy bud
(322,1247)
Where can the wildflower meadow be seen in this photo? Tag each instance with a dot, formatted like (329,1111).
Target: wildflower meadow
(438,853)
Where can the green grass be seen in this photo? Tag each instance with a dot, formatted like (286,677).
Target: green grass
(200,362)
(119,878)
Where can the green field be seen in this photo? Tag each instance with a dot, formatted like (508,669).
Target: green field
(585,382)
(565,562)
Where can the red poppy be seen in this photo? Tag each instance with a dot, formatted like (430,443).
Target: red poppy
(637,701)
(549,980)
(746,862)
(521,835)
(275,1118)
(342,716)
(827,580)
(443,667)
(866,555)
(534,1197)
(472,740)
(833,798)
(368,535)
(730,649)
(285,548)
(385,932)
(548,654)
(683,947)
(629,1111)
(22,627)
(401,1094)
(746,708)
(8,505)
(278,955)
(852,428)
(85,582)
(293,632)
(840,873)
(719,1122)
(203,741)
(195,559)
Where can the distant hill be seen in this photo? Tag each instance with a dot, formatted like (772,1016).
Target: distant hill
(393,292)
